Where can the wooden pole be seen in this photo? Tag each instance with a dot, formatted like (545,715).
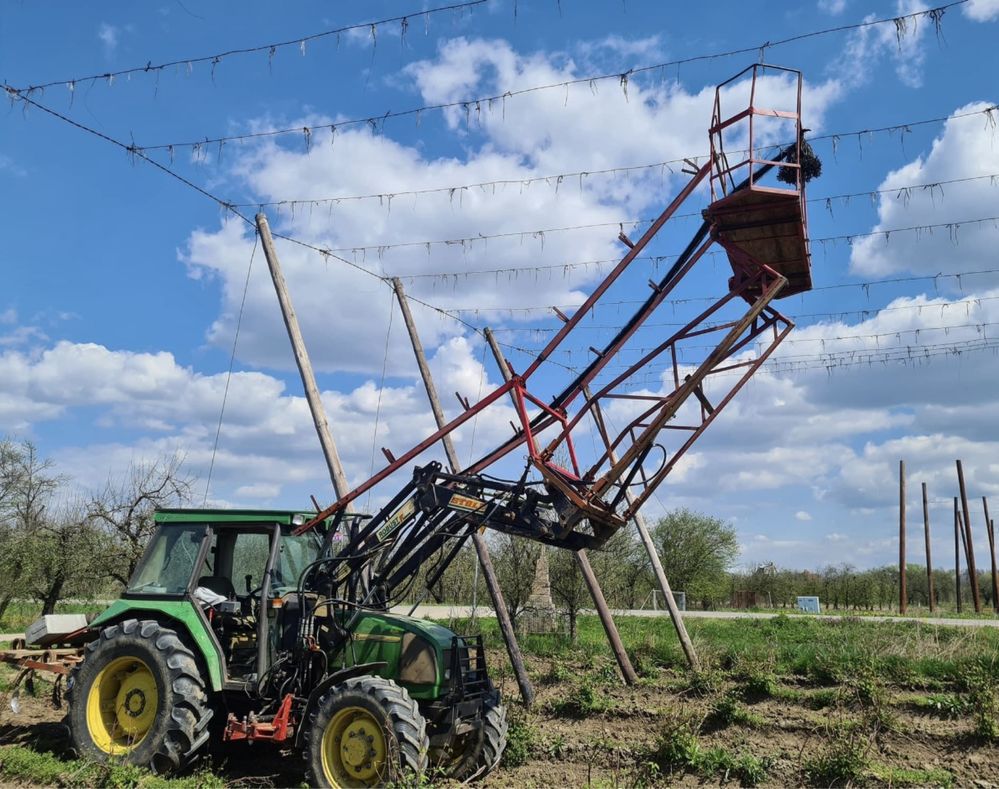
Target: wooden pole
(337,476)
(902,596)
(488,571)
(623,661)
(650,548)
(929,560)
(970,547)
(990,528)
(957,556)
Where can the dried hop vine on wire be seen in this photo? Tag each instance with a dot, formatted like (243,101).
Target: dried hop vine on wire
(811,165)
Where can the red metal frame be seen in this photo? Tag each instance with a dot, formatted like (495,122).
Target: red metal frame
(754,282)
(279,729)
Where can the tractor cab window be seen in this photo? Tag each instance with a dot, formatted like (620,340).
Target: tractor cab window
(249,560)
(297,553)
(168,563)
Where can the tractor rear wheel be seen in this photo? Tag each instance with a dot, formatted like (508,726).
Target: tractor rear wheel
(366,731)
(139,696)
(484,748)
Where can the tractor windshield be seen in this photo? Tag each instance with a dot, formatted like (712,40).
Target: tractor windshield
(168,564)
(297,553)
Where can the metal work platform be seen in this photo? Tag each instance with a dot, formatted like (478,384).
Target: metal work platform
(763,223)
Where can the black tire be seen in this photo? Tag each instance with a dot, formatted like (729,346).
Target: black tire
(349,706)
(484,751)
(176,730)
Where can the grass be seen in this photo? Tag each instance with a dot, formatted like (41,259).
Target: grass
(46,769)
(899,776)
(21,613)
(821,653)
(848,681)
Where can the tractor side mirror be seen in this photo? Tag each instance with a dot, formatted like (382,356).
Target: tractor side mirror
(249,583)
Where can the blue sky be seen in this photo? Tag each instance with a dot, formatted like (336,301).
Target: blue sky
(122,285)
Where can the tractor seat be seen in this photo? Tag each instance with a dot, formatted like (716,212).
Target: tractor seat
(218,584)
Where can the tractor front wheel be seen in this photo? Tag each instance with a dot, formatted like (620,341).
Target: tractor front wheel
(484,748)
(139,696)
(367,731)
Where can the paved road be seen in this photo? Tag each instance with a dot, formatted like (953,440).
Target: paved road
(447,611)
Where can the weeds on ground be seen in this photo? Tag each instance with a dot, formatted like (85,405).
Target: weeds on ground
(760,686)
(727,711)
(843,763)
(983,700)
(519,737)
(821,699)
(557,673)
(872,699)
(949,706)
(703,682)
(677,747)
(583,700)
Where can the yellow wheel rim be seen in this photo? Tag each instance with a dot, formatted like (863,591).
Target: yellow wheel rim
(354,749)
(121,705)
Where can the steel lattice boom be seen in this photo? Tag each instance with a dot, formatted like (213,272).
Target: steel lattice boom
(573,503)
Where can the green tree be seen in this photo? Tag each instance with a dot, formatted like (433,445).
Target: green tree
(27,486)
(696,551)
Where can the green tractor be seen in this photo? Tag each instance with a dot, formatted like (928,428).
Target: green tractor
(246,625)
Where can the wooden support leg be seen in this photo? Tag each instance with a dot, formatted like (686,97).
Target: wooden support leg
(481,549)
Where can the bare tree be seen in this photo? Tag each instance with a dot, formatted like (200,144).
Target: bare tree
(515,559)
(64,556)
(124,509)
(568,588)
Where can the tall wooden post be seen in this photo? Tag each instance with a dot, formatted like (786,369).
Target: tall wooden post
(902,592)
(929,560)
(488,571)
(623,661)
(990,527)
(337,476)
(957,556)
(970,546)
(650,548)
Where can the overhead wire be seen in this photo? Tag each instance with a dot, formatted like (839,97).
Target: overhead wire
(556,179)
(864,314)
(539,233)
(819,288)
(228,376)
(475,104)
(271,49)
(132,150)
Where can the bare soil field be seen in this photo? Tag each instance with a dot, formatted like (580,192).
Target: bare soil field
(777,703)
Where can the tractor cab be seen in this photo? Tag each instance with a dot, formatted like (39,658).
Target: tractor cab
(237,569)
